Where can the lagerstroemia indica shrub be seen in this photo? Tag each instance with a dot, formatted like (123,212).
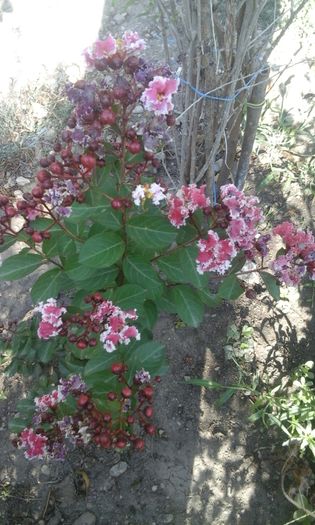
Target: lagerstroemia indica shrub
(118,248)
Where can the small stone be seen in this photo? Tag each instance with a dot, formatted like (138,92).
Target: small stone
(106,485)
(154,488)
(118,469)
(22,181)
(118,19)
(87,518)
(45,470)
(56,519)
(168,518)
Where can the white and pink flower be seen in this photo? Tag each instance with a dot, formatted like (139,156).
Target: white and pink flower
(186,201)
(100,49)
(245,215)
(215,254)
(299,258)
(48,401)
(35,445)
(114,321)
(158,96)
(51,322)
(132,41)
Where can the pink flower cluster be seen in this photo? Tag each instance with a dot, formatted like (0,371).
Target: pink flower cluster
(117,331)
(103,49)
(244,216)
(51,322)
(48,401)
(215,254)
(158,96)
(299,258)
(185,202)
(35,445)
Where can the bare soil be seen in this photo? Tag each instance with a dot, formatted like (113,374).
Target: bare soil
(207,465)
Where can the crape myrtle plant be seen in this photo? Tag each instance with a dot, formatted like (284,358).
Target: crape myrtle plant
(118,248)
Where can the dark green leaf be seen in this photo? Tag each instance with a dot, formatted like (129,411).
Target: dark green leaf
(148,315)
(170,266)
(46,351)
(188,257)
(186,234)
(129,296)
(188,305)
(99,364)
(19,266)
(49,284)
(18,424)
(271,285)
(101,280)
(142,273)
(230,288)
(150,356)
(209,298)
(102,250)
(156,232)
(8,240)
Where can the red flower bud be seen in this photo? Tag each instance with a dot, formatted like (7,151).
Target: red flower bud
(37,237)
(139,444)
(133,147)
(88,161)
(117,368)
(150,429)
(107,117)
(148,391)
(82,400)
(126,392)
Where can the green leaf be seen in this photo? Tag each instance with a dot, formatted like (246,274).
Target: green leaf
(207,383)
(238,263)
(101,280)
(8,240)
(186,234)
(165,304)
(18,424)
(66,246)
(129,296)
(188,257)
(230,288)
(170,266)
(76,271)
(82,211)
(49,284)
(148,315)
(188,306)
(26,407)
(101,382)
(208,298)
(50,246)
(20,265)
(153,231)
(99,363)
(71,365)
(102,250)
(46,351)
(141,273)
(271,285)
(150,356)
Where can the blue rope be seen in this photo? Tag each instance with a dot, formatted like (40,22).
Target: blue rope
(225,99)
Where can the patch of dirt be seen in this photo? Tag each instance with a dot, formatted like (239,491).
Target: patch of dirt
(208,465)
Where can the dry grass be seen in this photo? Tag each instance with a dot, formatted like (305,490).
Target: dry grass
(30,120)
